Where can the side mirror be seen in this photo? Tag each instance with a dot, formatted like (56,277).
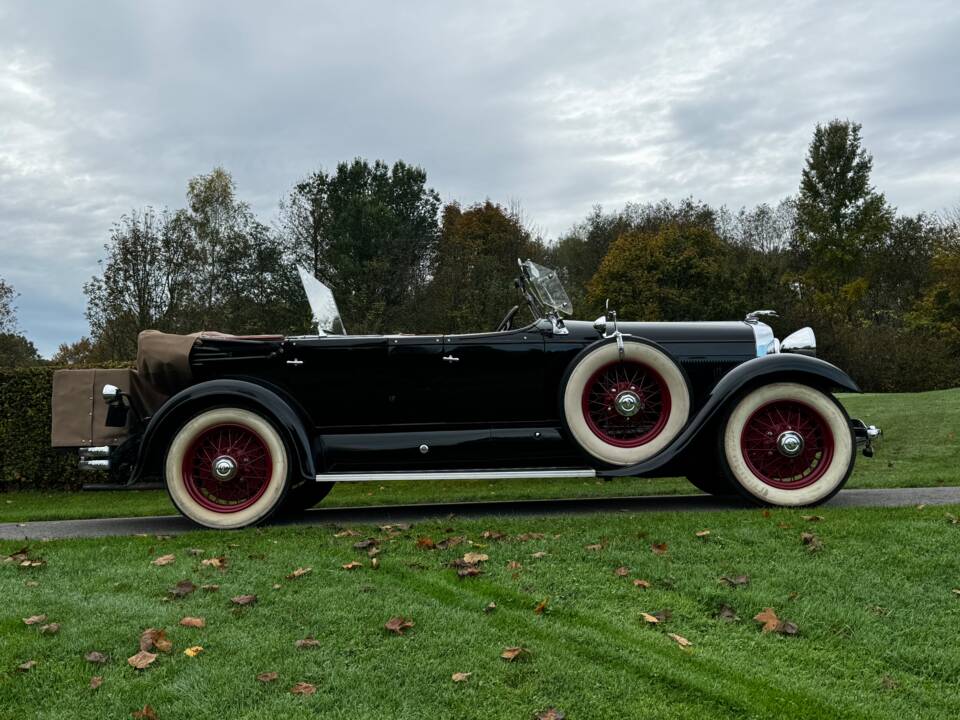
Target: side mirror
(801,342)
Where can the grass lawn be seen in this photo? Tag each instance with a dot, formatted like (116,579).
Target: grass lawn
(875,608)
(920,449)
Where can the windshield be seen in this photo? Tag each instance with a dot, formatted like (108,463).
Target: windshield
(326,315)
(547,288)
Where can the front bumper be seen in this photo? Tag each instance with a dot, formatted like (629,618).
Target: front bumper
(865,435)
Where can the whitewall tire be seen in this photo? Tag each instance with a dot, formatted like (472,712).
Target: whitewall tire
(788,444)
(625,411)
(227,468)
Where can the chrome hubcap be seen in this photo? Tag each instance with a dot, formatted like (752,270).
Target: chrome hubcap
(627,403)
(224,468)
(790,443)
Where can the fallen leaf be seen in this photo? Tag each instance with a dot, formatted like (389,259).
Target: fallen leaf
(31,583)
(472,558)
(538,555)
(889,683)
(952,519)
(680,640)
(426,543)
(469,571)
(921,506)
(346,533)
(493,606)
(492,535)
(182,589)
(364,544)
(529,536)
(659,548)
(641,584)
(658,616)
(595,547)
(450,542)
(163,560)
(210,588)
(375,563)
(193,622)
(784,525)
(514,565)
(622,571)
(307,642)
(194,551)
(702,533)
(956,591)
(460,676)
(398,624)
(541,606)
(813,543)
(735,580)
(352,565)
(727,614)
(215,562)
(148,713)
(34,619)
(550,713)
(193,651)
(243,599)
(302,688)
(299,573)
(51,629)
(96,657)
(652,619)
(155,638)
(812,518)
(141,660)
(771,623)
(513,653)
(96,681)
(27,666)
(266,677)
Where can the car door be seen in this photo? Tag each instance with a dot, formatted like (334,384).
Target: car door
(415,395)
(494,379)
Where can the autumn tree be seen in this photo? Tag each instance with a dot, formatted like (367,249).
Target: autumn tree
(7,310)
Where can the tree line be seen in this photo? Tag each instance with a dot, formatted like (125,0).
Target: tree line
(881,289)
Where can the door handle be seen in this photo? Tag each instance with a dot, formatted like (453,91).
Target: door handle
(450,358)
(295,362)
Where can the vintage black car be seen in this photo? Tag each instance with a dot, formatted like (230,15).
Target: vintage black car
(243,427)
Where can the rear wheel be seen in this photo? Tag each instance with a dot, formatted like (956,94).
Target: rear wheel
(227,468)
(711,481)
(788,444)
(305,496)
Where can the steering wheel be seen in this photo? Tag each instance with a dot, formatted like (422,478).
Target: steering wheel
(507,321)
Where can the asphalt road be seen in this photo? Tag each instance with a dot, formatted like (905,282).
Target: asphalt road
(171,525)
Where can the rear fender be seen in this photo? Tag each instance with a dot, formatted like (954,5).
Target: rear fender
(759,371)
(272,402)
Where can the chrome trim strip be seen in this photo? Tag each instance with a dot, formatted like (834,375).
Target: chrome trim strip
(457,475)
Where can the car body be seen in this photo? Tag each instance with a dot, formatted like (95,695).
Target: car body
(552,398)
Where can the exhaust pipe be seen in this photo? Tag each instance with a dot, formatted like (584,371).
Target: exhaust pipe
(95,458)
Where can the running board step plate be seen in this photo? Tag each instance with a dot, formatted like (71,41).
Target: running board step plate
(458,475)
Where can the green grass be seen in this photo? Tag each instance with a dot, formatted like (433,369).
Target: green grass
(920,449)
(875,609)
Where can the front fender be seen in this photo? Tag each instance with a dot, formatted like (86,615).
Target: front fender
(769,368)
(291,421)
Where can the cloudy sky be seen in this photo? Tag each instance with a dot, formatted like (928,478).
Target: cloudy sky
(110,106)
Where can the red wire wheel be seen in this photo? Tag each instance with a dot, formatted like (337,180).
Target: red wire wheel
(626,404)
(227,468)
(787,444)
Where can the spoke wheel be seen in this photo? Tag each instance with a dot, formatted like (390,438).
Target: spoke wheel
(787,444)
(227,468)
(626,404)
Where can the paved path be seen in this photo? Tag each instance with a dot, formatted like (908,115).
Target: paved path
(172,525)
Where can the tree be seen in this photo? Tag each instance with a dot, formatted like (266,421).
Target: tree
(370,233)
(17,351)
(75,353)
(840,216)
(471,288)
(675,273)
(8,320)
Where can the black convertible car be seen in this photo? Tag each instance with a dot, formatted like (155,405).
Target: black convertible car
(241,427)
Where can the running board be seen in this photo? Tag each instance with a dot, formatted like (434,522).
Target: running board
(457,475)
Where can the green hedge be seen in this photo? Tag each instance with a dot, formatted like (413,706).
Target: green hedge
(26,458)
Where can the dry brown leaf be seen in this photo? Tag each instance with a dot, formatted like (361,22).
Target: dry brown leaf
(472,558)
(621,571)
(641,583)
(735,580)
(193,651)
(426,543)
(956,591)
(141,660)
(538,555)
(96,681)
(346,533)
(680,640)
(450,542)
(550,713)
(266,677)
(209,588)
(727,614)
(513,653)
(813,543)
(27,666)
(307,642)
(812,518)
(148,713)
(595,547)
(650,618)
(155,638)
(51,629)
(34,619)
(375,563)
(541,606)
(163,560)
(303,688)
(194,551)
(658,548)
(771,623)
(215,562)
(514,565)
(460,676)
(353,565)
(299,573)
(492,535)
(31,583)
(364,544)
(182,589)
(702,533)
(493,606)
(468,571)
(96,657)
(243,599)
(529,536)
(398,624)
(193,622)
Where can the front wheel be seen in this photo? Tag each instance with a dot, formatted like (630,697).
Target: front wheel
(227,468)
(788,444)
